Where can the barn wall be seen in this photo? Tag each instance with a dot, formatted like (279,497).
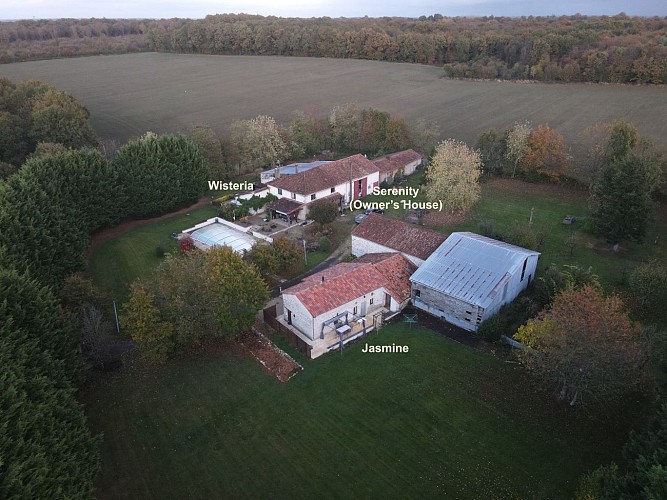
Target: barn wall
(455,311)
(514,286)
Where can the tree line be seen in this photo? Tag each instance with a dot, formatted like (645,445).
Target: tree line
(49,207)
(614,49)
(347,129)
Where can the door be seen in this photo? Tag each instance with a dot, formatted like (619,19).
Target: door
(289,317)
(387,301)
(363,308)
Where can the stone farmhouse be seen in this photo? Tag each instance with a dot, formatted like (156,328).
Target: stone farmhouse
(398,164)
(347,300)
(380,233)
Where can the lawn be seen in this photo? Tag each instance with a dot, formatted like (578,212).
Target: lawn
(505,202)
(133,254)
(441,420)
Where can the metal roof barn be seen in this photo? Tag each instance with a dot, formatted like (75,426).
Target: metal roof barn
(471,268)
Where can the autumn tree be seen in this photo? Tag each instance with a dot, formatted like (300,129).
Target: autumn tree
(141,319)
(345,124)
(305,138)
(57,117)
(323,212)
(516,141)
(288,252)
(546,154)
(586,346)
(48,149)
(648,287)
(453,175)
(264,257)
(491,146)
(258,142)
(210,148)
(190,297)
(425,135)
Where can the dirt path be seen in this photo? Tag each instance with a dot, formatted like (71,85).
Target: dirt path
(101,237)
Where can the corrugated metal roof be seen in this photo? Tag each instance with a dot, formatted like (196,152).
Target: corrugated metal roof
(471,267)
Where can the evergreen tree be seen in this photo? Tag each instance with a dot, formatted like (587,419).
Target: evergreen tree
(50,207)
(160,174)
(46,449)
(621,198)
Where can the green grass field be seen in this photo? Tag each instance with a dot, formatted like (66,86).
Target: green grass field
(130,94)
(506,202)
(441,420)
(132,255)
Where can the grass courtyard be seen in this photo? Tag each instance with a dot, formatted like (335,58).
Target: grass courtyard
(133,255)
(441,420)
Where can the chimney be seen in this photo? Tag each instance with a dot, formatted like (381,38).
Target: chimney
(276,172)
(296,168)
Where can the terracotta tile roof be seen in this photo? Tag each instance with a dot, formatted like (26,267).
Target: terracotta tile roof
(396,270)
(399,235)
(395,161)
(348,281)
(326,176)
(334,197)
(285,205)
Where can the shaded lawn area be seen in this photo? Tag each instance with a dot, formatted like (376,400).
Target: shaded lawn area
(133,254)
(440,420)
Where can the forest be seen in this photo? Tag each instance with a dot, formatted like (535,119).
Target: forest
(610,49)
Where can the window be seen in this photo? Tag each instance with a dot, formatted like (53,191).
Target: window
(333,190)
(313,196)
(280,191)
(355,310)
(371,301)
(418,293)
(294,196)
(523,271)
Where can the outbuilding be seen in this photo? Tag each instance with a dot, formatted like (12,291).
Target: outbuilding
(469,277)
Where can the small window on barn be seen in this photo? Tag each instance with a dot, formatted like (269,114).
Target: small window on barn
(313,196)
(355,310)
(280,191)
(333,190)
(523,271)
(371,301)
(294,196)
(418,293)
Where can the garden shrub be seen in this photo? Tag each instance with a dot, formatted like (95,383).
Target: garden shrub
(324,244)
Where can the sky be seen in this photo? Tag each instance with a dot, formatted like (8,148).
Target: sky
(47,9)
